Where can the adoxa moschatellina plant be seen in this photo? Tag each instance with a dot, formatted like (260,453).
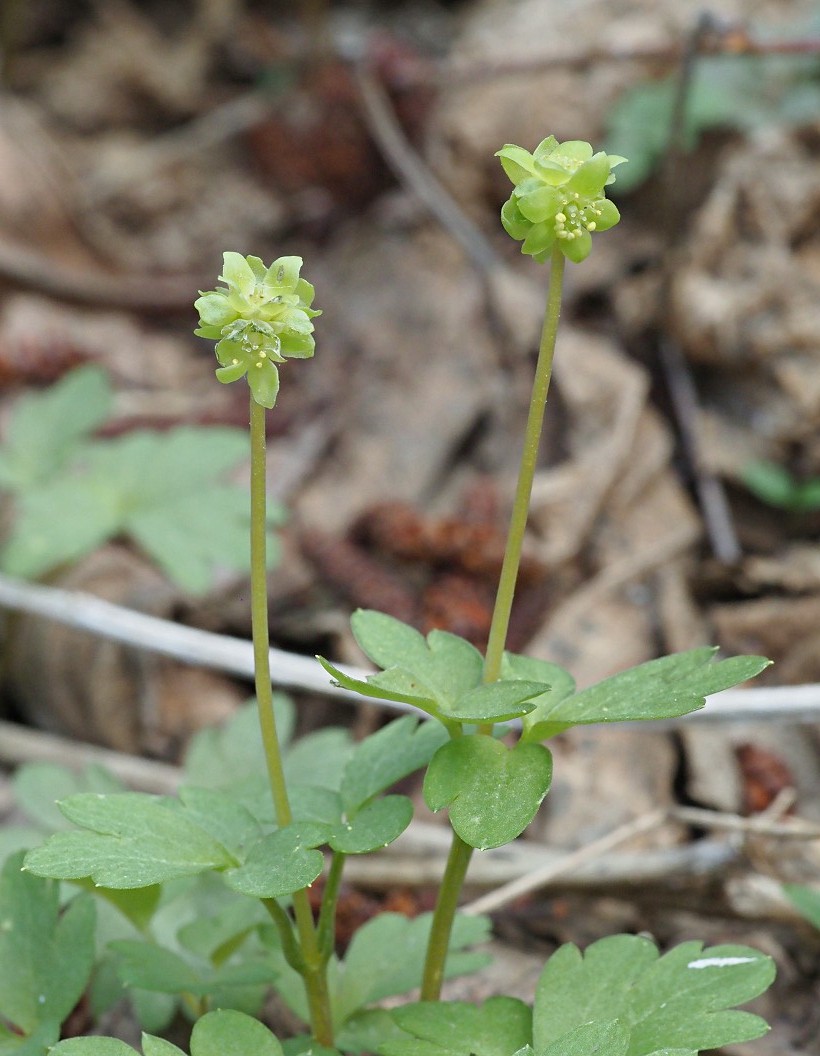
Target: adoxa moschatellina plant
(621,999)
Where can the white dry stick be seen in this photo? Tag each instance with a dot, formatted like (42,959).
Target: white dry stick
(234,656)
(538,877)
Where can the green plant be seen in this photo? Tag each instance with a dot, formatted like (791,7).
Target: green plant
(244,853)
(775,485)
(71,492)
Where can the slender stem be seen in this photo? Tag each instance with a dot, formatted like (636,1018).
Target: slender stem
(460,853)
(526,473)
(326,930)
(284,925)
(313,971)
(259,618)
(456,869)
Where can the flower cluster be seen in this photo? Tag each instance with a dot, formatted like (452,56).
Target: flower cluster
(262,318)
(558,197)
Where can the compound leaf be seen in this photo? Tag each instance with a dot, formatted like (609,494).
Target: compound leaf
(45,957)
(46,428)
(376,825)
(659,689)
(454,1028)
(493,791)
(682,1000)
(229,1033)
(284,862)
(371,969)
(132,840)
(378,762)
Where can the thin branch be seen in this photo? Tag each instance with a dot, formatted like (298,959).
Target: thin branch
(408,166)
(507,893)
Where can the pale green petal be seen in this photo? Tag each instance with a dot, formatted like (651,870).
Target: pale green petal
(589,180)
(540,205)
(214,309)
(227,351)
(283,274)
(540,238)
(551,171)
(516,162)
(545,148)
(233,372)
(297,346)
(576,149)
(257,267)
(238,274)
(609,215)
(305,292)
(213,333)
(577,249)
(616,159)
(514,223)
(263,378)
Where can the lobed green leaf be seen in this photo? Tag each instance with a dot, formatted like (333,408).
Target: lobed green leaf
(45,957)
(279,864)
(493,791)
(376,825)
(133,840)
(660,689)
(679,1001)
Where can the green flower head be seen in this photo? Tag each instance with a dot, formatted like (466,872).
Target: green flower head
(261,319)
(558,198)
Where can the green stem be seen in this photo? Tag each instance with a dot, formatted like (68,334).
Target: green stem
(443,917)
(529,458)
(313,972)
(327,915)
(460,853)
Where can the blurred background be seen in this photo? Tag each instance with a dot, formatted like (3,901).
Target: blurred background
(678,498)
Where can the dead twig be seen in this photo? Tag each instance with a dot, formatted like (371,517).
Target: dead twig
(507,893)
(33,270)
(234,656)
(19,745)
(413,173)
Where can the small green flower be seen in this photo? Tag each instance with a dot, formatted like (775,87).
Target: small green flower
(558,197)
(260,320)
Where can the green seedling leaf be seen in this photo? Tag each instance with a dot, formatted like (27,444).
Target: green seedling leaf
(147,966)
(332,745)
(45,957)
(137,904)
(660,689)
(213,938)
(391,685)
(59,521)
(682,1000)
(46,428)
(561,685)
(447,664)
(453,1028)
(496,702)
(93,1046)
(592,1039)
(222,817)
(493,791)
(806,900)
(133,840)
(217,754)
(374,826)
(152,1046)
(150,967)
(38,786)
(281,863)
(378,762)
(372,970)
(229,1033)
